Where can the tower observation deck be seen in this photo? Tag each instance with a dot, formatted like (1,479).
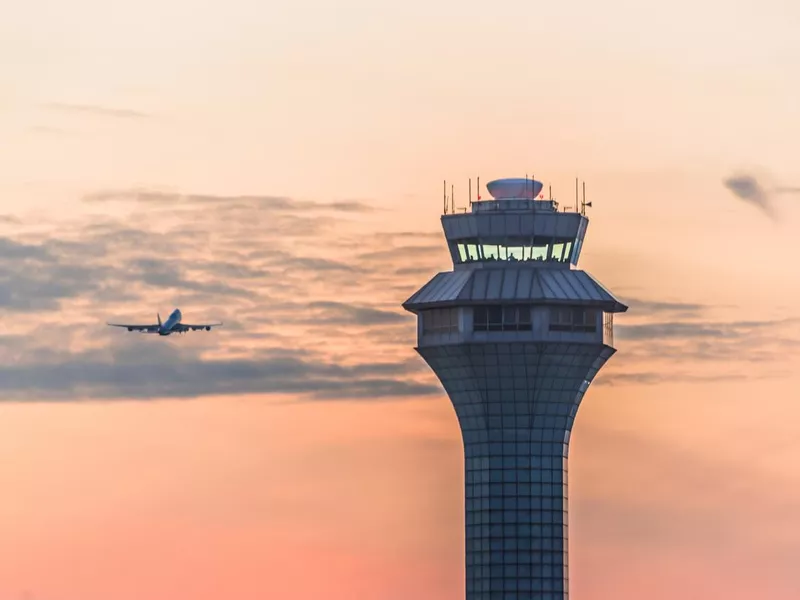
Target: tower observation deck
(515,334)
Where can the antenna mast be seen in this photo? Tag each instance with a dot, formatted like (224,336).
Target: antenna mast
(576,195)
(444,199)
(584,204)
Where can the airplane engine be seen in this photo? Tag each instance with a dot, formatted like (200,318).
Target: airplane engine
(208,328)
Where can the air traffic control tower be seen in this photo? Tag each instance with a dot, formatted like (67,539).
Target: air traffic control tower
(515,334)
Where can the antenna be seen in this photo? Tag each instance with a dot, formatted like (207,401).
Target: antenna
(584,204)
(533,212)
(576,194)
(550,192)
(445,196)
(470,191)
(452,199)
(478,191)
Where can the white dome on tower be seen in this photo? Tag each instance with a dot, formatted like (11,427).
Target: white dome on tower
(514,187)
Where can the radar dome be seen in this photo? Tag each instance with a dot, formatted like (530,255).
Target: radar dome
(514,187)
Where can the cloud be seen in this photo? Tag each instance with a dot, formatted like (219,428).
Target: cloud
(695,330)
(33,277)
(144,372)
(409,254)
(641,307)
(301,286)
(748,188)
(166,273)
(49,130)
(102,111)
(700,352)
(666,377)
(671,342)
(279,272)
(346,314)
(245,202)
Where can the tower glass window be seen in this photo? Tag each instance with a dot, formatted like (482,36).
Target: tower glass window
(490,251)
(567,251)
(497,317)
(514,249)
(439,320)
(573,318)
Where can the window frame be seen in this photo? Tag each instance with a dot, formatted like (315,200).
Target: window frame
(513,316)
(523,249)
(572,318)
(437,321)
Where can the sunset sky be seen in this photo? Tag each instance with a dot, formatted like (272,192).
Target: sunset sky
(279,167)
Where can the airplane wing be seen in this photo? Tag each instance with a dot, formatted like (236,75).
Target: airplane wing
(189,327)
(142,328)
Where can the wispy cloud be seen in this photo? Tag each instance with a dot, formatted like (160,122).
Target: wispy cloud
(49,130)
(697,330)
(658,307)
(279,272)
(142,370)
(342,313)
(302,289)
(664,342)
(101,111)
(753,190)
(244,202)
(612,378)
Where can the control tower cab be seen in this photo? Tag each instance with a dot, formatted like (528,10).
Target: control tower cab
(515,226)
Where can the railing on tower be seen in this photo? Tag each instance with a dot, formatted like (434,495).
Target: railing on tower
(523,203)
(608,329)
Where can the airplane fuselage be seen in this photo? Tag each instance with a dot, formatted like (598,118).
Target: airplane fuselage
(167,326)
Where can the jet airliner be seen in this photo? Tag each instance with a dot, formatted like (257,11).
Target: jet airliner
(173,324)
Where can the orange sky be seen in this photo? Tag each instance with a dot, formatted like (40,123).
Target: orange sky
(280,169)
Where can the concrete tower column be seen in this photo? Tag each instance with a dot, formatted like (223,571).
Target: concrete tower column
(515,335)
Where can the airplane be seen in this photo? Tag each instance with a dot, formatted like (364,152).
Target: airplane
(171,325)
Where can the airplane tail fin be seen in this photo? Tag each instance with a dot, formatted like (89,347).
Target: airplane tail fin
(159,319)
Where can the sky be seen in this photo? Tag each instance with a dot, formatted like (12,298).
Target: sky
(280,168)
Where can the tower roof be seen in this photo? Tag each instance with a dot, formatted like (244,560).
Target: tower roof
(546,286)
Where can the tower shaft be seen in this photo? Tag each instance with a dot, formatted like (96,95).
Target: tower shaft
(516,404)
